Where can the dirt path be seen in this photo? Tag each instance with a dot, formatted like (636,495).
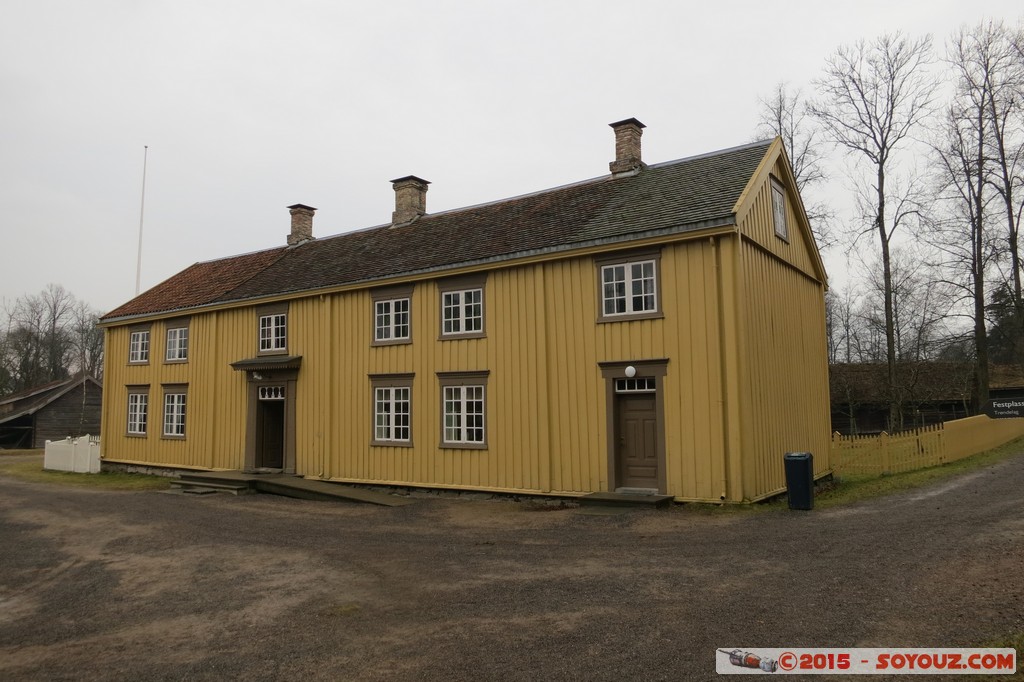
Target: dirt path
(115,585)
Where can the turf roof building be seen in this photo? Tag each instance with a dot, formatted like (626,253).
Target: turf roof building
(658,328)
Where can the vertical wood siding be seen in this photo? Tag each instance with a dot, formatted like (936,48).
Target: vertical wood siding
(546,421)
(784,363)
(215,409)
(759,226)
(746,379)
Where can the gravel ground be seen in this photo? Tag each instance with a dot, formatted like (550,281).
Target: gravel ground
(158,586)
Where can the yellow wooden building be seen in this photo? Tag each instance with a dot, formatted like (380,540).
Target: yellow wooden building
(660,328)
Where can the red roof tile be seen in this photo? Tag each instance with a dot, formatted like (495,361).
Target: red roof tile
(198,284)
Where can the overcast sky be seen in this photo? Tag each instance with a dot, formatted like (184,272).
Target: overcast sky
(248,106)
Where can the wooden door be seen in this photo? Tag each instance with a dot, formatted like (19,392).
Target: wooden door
(638,441)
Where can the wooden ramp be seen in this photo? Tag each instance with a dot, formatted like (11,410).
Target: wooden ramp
(239,483)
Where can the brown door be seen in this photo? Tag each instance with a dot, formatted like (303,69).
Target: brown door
(638,441)
(270,434)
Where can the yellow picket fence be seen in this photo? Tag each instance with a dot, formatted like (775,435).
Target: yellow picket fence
(923,447)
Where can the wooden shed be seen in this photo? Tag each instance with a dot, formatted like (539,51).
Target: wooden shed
(656,329)
(52,411)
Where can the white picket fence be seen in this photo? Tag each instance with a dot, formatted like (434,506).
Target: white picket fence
(81,455)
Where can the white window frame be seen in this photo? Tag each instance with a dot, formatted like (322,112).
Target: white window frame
(273,332)
(175,404)
(390,403)
(387,313)
(460,316)
(177,344)
(138,412)
(636,385)
(138,346)
(464,414)
(779,211)
(624,288)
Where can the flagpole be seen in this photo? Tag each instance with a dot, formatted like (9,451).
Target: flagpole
(142,214)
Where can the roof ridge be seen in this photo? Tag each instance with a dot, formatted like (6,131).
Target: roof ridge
(719,152)
(282,251)
(569,185)
(459,209)
(34,390)
(239,255)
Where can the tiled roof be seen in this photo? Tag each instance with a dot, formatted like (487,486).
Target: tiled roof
(198,284)
(679,195)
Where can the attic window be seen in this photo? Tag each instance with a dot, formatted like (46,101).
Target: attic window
(779,211)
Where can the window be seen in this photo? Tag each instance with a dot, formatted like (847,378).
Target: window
(273,333)
(391,413)
(392,320)
(392,409)
(462,306)
(464,418)
(138,346)
(463,414)
(138,409)
(177,344)
(628,286)
(174,412)
(463,311)
(779,211)
(392,317)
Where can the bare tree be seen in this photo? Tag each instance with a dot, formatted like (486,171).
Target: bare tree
(977,168)
(784,114)
(872,97)
(994,53)
(6,351)
(87,340)
(48,337)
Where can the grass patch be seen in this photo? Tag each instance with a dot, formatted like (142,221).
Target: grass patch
(848,489)
(38,451)
(1015,642)
(33,472)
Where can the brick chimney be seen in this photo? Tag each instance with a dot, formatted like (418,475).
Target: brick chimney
(410,199)
(302,224)
(627,146)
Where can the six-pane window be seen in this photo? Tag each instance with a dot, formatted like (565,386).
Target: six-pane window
(628,288)
(174,414)
(138,404)
(392,319)
(273,332)
(463,414)
(177,343)
(463,311)
(138,347)
(392,409)
(779,212)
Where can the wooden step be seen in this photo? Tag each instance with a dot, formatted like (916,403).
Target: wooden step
(607,499)
(206,487)
(287,485)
